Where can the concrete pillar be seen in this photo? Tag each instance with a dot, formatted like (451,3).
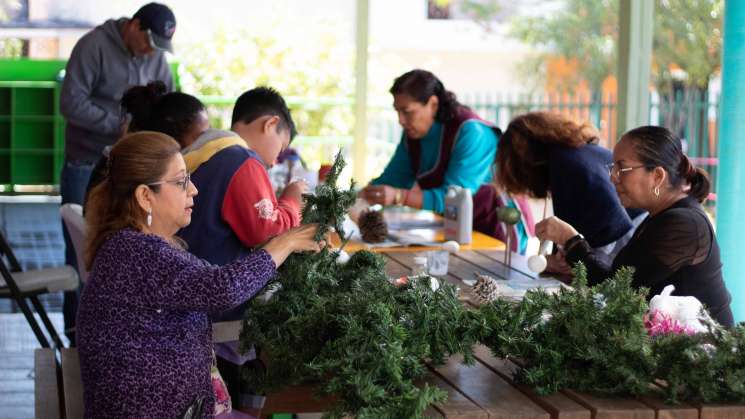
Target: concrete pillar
(359,147)
(636,20)
(731,179)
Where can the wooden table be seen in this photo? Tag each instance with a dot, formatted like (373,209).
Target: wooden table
(486,389)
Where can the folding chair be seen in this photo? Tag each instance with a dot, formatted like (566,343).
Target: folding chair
(72,216)
(20,286)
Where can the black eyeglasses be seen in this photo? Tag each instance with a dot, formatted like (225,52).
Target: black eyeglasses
(183,183)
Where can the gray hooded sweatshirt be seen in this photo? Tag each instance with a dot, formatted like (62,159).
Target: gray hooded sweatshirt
(98,73)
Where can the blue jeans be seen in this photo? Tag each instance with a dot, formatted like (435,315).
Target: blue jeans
(73,183)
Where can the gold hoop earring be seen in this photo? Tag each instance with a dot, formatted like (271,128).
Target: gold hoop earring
(657,191)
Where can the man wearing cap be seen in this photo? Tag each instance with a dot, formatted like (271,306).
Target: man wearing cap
(103,64)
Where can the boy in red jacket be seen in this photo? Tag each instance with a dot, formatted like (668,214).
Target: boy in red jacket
(236,208)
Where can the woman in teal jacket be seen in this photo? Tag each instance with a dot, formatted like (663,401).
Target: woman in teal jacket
(443,143)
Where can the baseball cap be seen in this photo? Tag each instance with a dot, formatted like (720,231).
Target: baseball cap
(160,23)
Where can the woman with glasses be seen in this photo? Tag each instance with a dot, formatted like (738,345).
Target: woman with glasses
(144,333)
(547,154)
(676,243)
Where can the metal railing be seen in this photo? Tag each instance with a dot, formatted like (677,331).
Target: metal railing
(693,116)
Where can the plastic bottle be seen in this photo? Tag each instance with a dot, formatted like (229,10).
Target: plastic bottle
(420,266)
(458,215)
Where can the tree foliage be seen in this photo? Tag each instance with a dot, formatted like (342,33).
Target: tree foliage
(233,61)
(687,35)
(584,33)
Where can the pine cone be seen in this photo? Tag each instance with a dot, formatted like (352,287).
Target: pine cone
(372,226)
(486,289)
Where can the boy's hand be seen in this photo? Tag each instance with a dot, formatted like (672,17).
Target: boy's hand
(295,190)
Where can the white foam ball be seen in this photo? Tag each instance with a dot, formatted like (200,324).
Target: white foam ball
(342,257)
(537,263)
(451,246)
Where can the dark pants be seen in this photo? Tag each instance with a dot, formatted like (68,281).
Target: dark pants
(240,395)
(73,183)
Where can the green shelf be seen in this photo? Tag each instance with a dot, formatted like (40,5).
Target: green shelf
(32,129)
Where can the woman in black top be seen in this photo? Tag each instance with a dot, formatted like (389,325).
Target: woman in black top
(676,243)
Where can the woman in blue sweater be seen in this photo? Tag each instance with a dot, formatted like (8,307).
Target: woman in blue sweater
(544,154)
(444,143)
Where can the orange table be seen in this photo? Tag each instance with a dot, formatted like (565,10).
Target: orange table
(403,216)
(479,241)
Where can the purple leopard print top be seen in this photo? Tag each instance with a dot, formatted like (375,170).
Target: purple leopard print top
(144,338)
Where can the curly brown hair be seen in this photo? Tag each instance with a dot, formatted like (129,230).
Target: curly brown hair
(522,155)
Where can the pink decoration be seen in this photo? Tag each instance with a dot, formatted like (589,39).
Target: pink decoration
(659,323)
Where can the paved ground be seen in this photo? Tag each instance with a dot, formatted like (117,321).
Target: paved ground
(35,234)
(17,344)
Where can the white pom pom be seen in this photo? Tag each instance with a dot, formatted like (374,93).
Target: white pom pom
(342,257)
(451,246)
(537,263)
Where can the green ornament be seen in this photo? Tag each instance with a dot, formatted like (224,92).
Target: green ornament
(508,215)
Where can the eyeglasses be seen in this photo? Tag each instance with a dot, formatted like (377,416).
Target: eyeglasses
(183,183)
(615,170)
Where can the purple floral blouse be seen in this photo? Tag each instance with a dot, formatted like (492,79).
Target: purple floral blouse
(144,337)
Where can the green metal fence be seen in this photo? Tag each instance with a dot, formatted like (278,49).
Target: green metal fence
(32,130)
(693,116)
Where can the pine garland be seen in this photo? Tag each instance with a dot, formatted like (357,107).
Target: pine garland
(584,338)
(363,340)
(708,367)
(347,328)
(593,339)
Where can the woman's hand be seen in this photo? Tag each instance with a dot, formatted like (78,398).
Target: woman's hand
(555,229)
(298,239)
(379,194)
(557,264)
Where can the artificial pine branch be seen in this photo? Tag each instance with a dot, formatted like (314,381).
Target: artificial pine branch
(584,338)
(349,329)
(363,340)
(328,205)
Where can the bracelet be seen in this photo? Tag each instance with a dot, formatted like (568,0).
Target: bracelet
(397,198)
(569,244)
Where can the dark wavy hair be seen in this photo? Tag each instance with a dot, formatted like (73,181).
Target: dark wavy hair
(522,154)
(659,147)
(421,85)
(152,109)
